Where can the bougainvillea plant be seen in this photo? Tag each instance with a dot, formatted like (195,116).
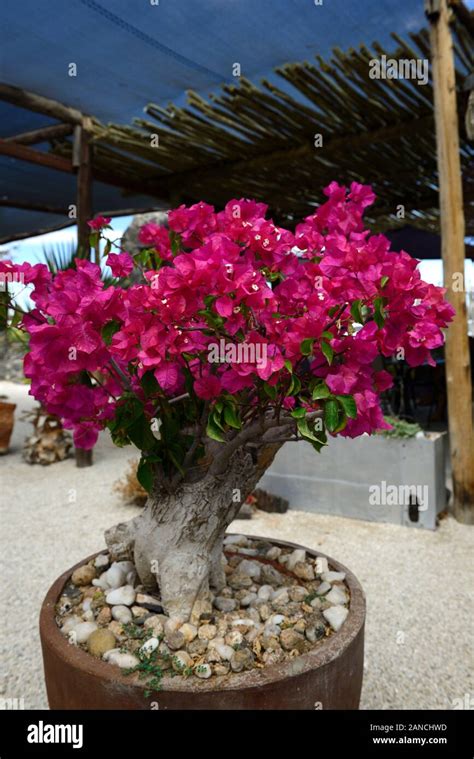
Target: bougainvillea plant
(234,336)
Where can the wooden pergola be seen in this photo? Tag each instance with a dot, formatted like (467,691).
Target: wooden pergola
(282,144)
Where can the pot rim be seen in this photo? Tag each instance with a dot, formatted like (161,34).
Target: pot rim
(321,655)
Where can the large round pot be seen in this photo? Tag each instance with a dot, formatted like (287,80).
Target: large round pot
(328,677)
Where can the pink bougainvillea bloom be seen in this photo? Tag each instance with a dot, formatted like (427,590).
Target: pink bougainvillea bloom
(99,222)
(121,264)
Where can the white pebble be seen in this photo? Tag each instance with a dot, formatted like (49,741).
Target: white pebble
(337,596)
(265,592)
(299,554)
(83,630)
(224,651)
(121,596)
(86,604)
(88,616)
(323,588)
(244,621)
(250,568)
(203,671)
(122,614)
(333,576)
(101,582)
(321,565)
(247,600)
(149,646)
(336,616)
(122,660)
(101,561)
(115,577)
(70,623)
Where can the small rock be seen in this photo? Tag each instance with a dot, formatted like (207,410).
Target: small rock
(104,616)
(207,632)
(235,540)
(298,593)
(225,604)
(149,602)
(225,652)
(298,555)
(221,669)
(122,614)
(248,599)
(280,597)
(323,588)
(238,581)
(116,628)
(333,576)
(273,656)
(124,596)
(234,638)
(149,646)
(300,626)
(70,623)
(100,641)
(175,640)
(241,660)
(86,604)
(315,631)
(189,632)
(265,592)
(139,612)
(88,616)
(273,553)
(115,577)
(316,603)
(265,611)
(101,582)
(251,568)
(276,619)
(303,570)
(291,640)
(122,660)
(154,623)
(83,575)
(271,575)
(321,565)
(181,660)
(337,596)
(203,671)
(197,647)
(101,561)
(83,630)
(336,616)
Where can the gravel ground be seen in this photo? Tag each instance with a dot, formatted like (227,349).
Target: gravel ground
(419,585)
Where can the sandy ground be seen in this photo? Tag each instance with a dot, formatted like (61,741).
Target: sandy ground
(419,584)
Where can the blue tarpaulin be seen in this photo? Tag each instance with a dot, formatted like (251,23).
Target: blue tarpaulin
(127,53)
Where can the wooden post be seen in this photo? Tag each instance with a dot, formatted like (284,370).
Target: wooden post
(82,160)
(458,371)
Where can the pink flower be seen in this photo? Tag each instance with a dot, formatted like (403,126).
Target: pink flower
(207,387)
(99,222)
(120,263)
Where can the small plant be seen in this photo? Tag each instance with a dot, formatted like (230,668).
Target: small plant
(400,428)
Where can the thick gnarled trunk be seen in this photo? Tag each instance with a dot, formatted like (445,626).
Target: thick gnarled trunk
(176,543)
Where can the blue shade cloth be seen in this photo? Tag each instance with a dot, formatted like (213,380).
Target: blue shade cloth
(132,52)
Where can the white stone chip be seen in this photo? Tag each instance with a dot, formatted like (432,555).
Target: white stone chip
(336,616)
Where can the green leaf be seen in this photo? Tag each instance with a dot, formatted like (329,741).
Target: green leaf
(320,391)
(214,432)
(231,418)
(328,335)
(304,430)
(383,281)
(348,404)
(295,386)
(216,418)
(331,415)
(149,384)
(356,312)
(298,413)
(107,247)
(140,433)
(379,315)
(289,365)
(109,330)
(270,390)
(306,346)
(145,474)
(327,351)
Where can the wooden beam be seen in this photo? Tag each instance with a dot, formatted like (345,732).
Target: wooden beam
(30,206)
(24,153)
(458,371)
(39,104)
(82,151)
(41,135)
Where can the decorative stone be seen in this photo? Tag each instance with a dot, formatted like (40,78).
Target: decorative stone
(290,640)
(181,660)
(124,596)
(116,628)
(225,652)
(70,623)
(175,640)
(265,592)
(280,597)
(104,616)
(203,671)
(271,575)
(100,641)
(251,568)
(122,614)
(304,571)
(115,577)
(298,555)
(207,632)
(248,599)
(336,616)
(298,593)
(154,623)
(235,540)
(333,576)
(101,561)
(189,632)
(234,638)
(323,588)
(225,604)
(197,647)
(149,646)
(83,575)
(221,669)
(122,660)
(139,612)
(83,630)
(321,565)
(241,660)
(265,611)
(337,596)
(237,581)
(273,553)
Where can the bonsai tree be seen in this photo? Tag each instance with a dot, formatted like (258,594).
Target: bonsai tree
(239,335)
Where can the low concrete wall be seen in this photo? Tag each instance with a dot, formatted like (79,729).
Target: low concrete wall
(365,478)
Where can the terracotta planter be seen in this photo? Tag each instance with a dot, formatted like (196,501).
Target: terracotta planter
(6,424)
(328,677)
